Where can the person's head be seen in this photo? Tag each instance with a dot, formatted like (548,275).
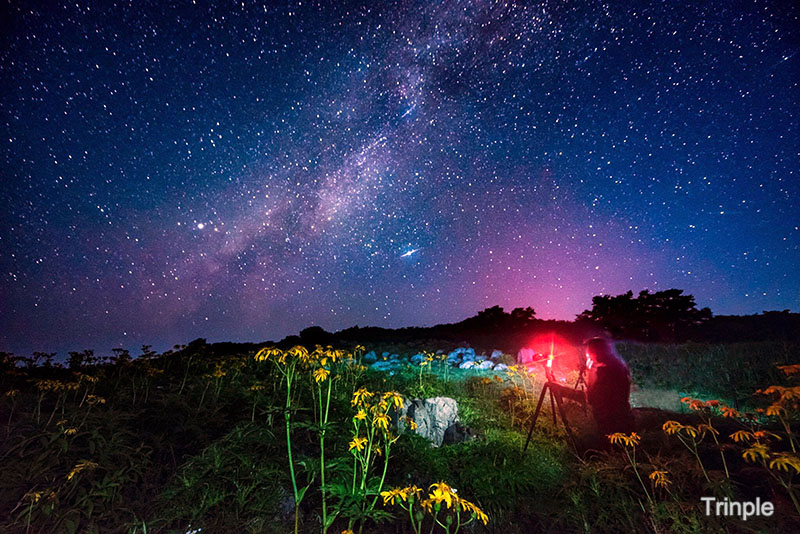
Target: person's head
(599,350)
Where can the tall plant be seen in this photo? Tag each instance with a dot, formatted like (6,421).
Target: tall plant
(287,364)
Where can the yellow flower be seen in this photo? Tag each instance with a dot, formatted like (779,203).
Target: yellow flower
(741,435)
(411,423)
(70,431)
(775,409)
(93,399)
(382,421)
(784,461)
(628,440)
(441,492)
(389,497)
(80,466)
(756,451)
(394,398)
(300,353)
(672,427)
(660,479)
(321,374)
(474,510)
(790,370)
(267,352)
(348,531)
(361,415)
(257,387)
(33,496)
(358,444)
(729,412)
(361,396)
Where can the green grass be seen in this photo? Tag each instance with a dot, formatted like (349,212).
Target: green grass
(175,447)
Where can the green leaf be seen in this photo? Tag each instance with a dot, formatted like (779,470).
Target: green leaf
(301,493)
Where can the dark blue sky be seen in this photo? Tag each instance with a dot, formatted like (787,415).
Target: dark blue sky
(243,171)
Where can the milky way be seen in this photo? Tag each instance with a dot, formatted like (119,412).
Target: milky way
(242,172)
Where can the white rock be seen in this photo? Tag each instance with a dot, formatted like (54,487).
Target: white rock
(433,416)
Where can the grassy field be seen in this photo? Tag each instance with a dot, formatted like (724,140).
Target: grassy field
(197,441)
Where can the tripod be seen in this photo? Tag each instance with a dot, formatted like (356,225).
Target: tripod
(556,399)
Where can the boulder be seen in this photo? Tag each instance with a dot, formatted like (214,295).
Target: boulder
(394,356)
(496,355)
(457,433)
(383,366)
(434,417)
(456,354)
(500,367)
(385,355)
(467,365)
(486,364)
(370,357)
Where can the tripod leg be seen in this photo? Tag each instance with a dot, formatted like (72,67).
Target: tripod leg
(553,409)
(535,417)
(564,420)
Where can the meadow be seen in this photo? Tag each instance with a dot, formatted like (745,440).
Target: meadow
(206,438)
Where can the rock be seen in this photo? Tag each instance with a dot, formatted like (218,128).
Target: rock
(486,364)
(468,355)
(456,433)
(456,354)
(417,358)
(370,357)
(385,355)
(394,356)
(434,417)
(453,360)
(500,367)
(496,355)
(383,366)
(467,365)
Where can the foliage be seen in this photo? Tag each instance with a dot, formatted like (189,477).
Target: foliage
(648,317)
(201,437)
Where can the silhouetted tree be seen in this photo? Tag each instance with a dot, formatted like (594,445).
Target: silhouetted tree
(649,317)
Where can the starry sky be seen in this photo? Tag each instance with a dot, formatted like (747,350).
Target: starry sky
(242,171)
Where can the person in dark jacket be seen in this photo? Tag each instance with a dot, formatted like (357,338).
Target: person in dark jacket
(608,388)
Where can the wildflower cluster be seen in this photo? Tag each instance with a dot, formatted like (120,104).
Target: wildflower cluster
(629,442)
(443,504)
(371,438)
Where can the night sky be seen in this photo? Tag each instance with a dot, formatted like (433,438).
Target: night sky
(243,171)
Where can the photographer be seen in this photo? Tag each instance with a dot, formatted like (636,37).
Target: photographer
(608,387)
